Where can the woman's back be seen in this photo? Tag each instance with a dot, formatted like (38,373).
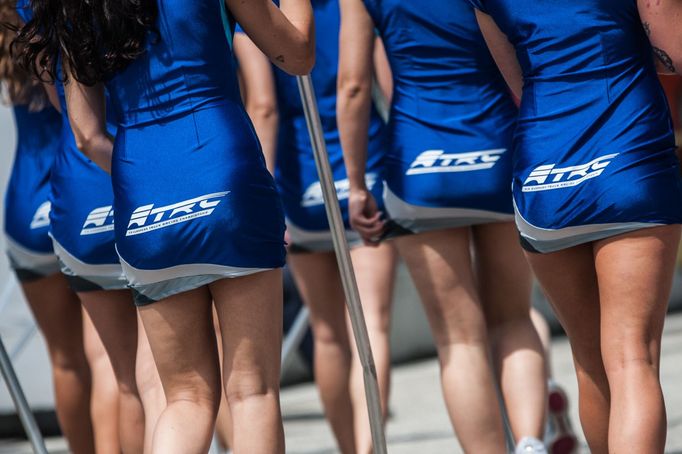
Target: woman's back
(187,65)
(438,58)
(587,66)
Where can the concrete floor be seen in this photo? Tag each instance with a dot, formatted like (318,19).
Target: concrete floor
(419,422)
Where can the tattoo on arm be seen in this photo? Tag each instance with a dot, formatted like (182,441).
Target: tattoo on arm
(660,54)
(647,28)
(665,59)
(280,58)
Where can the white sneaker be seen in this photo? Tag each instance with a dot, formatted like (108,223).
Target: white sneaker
(530,445)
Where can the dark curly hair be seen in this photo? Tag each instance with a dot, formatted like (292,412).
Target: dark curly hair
(95,38)
(18,87)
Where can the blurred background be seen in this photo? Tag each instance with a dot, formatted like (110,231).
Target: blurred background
(411,343)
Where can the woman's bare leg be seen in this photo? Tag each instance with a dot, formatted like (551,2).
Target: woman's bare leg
(58,314)
(113,315)
(635,274)
(375,275)
(223,427)
(542,327)
(319,283)
(504,286)
(250,313)
(440,265)
(182,339)
(569,280)
(104,401)
(148,386)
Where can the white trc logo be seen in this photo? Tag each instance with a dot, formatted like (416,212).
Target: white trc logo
(313,195)
(172,214)
(567,176)
(99,220)
(437,161)
(41,218)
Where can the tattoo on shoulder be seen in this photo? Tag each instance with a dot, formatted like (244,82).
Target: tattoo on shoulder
(280,58)
(660,54)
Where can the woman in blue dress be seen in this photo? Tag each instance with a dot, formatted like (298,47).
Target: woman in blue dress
(286,144)
(447,194)
(197,217)
(597,191)
(26,226)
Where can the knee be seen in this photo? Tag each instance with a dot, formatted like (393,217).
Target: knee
(195,390)
(207,400)
(242,387)
(329,334)
(474,335)
(69,361)
(623,357)
(379,319)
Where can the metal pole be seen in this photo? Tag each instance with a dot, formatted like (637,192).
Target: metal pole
(20,403)
(350,286)
(294,337)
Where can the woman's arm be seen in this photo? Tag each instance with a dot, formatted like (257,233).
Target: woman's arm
(285,34)
(260,98)
(353,107)
(662,20)
(502,51)
(87,115)
(382,70)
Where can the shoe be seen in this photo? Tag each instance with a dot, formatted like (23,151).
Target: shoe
(530,445)
(559,438)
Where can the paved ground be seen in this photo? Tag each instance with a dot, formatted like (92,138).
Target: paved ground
(419,422)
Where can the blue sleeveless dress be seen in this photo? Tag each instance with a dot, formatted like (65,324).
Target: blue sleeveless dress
(27,205)
(193,200)
(594,147)
(82,222)
(452,119)
(296,174)
(81,216)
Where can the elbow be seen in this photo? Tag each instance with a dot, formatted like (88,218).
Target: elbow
(303,60)
(263,111)
(353,89)
(303,65)
(85,141)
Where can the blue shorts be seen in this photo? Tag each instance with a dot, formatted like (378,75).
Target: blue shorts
(197,206)
(82,219)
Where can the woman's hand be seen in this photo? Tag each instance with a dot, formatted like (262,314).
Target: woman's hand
(365,217)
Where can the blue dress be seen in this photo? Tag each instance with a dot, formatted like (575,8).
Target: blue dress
(82,222)
(193,200)
(81,216)
(296,174)
(452,119)
(27,207)
(594,147)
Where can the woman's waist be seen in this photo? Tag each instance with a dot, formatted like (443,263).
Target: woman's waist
(159,108)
